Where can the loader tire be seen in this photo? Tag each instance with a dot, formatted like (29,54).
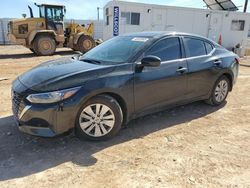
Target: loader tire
(85,43)
(44,45)
(31,49)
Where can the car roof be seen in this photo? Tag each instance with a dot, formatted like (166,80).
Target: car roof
(160,34)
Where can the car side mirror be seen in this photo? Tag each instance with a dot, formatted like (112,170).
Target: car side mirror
(151,61)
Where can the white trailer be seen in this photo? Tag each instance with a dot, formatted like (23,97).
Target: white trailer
(126,17)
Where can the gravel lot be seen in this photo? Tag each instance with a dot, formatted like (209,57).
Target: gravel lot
(195,145)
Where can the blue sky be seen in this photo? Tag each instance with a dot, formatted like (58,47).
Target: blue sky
(86,9)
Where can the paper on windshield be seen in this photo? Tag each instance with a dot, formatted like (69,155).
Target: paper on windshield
(140,39)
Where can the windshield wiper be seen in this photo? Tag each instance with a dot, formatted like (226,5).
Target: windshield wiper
(91,61)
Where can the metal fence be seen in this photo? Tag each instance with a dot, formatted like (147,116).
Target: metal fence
(4,30)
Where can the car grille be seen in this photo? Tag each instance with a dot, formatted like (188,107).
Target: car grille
(17,104)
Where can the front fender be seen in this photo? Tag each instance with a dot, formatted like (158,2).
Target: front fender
(68,110)
(117,84)
(33,34)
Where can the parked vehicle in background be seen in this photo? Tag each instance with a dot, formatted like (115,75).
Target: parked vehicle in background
(119,80)
(44,34)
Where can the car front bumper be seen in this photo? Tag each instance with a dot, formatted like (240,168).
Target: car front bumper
(46,120)
(38,121)
(36,131)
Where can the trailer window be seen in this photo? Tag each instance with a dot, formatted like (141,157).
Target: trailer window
(238,25)
(135,18)
(166,49)
(107,20)
(107,11)
(126,17)
(130,18)
(194,47)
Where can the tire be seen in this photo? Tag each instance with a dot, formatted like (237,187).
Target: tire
(106,125)
(31,49)
(44,45)
(218,96)
(85,43)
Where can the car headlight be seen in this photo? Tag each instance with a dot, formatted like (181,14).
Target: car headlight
(52,97)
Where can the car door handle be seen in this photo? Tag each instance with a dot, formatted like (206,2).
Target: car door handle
(181,70)
(217,62)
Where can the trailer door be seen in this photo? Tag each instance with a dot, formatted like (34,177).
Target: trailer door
(157,22)
(215,26)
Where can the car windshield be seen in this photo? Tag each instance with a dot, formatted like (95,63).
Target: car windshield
(116,50)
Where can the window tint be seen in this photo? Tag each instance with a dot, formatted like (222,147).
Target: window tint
(58,14)
(195,47)
(135,18)
(117,50)
(166,49)
(54,14)
(209,47)
(49,14)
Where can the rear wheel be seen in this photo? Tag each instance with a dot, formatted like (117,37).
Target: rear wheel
(31,49)
(85,43)
(44,45)
(220,91)
(99,119)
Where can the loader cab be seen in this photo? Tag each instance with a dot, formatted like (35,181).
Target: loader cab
(53,15)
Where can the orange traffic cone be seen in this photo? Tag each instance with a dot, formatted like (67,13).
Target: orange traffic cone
(220,40)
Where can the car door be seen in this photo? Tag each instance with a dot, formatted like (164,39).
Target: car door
(155,87)
(200,62)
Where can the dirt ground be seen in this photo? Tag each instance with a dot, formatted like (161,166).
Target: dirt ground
(195,145)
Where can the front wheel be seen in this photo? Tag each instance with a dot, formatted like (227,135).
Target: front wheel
(85,43)
(220,91)
(99,119)
(44,45)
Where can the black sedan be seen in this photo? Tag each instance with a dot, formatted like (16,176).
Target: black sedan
(119,80)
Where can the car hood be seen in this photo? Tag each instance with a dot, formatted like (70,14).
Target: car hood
(62,73)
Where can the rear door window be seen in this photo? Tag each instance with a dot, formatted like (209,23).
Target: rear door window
(194,47)
(209,47)
(166,49)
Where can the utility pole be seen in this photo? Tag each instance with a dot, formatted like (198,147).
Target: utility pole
(98,16)
(245,6)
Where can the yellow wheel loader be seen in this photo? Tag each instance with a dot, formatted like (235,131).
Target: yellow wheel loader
(44,34)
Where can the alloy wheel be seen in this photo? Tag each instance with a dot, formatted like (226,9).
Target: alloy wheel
(97,120)
(221,91)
